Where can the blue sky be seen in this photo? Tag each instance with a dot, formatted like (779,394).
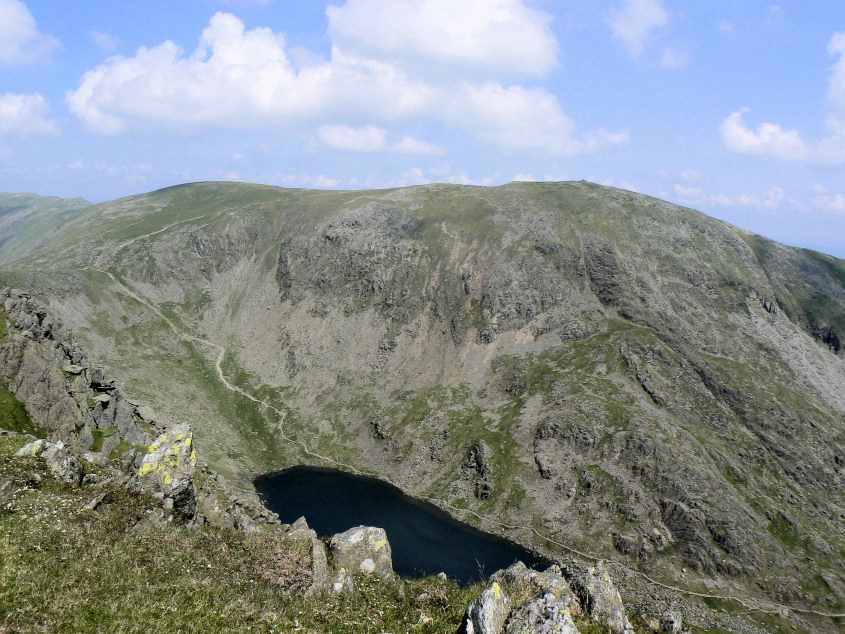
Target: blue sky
(733,107)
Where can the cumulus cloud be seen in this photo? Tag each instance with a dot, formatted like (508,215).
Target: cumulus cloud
(768,139)
(240,78)
(634,22)
(237,78)
(772,199)
(410,145)
(20,40)
(343,137)
(370,138)
(524,118)
(830,202)
(487,37)
(772,140)
(25,115)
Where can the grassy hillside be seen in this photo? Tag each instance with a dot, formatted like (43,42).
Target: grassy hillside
(26,220)
(70,568)
(622,375)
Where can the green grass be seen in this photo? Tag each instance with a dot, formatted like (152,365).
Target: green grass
(99,436)
(14,417)
(67,569)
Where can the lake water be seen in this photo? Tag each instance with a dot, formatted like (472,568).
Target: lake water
(424,540)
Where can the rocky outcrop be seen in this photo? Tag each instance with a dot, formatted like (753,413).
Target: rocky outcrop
(64,466)
(477,467)
(600,599)
(362,550)
(488,613)
(168,470)
(520,601)
(75,402)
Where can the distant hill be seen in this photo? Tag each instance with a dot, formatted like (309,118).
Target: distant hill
(26,219)
(625,376)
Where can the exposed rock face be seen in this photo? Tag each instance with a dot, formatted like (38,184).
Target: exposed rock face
(542,614)
(477,467)
(547,604)
(601,599)
(551,604)
(168,467)
(488,613)
(43,368)
(362,550)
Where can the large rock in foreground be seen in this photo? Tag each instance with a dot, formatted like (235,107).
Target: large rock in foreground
(363,549)
(168,469)
(488,613)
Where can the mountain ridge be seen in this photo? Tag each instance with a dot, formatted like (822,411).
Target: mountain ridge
(622,372)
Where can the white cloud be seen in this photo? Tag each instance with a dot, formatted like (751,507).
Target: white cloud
(20,41)
(830,202)
(320,181)
(343,137)
(768,139)
(410,145)
(103,40)
(413,176)
(25,115)
(771,139)
(691,175)
(239,78)
(487,37)
(634,22)
(524,118)
(370,138)
(772,199)
(524,178)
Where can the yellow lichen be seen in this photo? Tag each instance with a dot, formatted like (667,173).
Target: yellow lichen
(497,590)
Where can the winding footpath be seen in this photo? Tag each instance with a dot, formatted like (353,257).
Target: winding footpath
(750,604)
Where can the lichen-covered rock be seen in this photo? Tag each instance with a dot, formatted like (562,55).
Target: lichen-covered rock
(168,467)
(488,613)
(542,614)
(549,582)
(363,549)
(601,599)
(62,463)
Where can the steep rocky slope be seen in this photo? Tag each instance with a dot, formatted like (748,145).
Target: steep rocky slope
(627,377)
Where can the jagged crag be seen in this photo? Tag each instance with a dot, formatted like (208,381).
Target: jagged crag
(624,376)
